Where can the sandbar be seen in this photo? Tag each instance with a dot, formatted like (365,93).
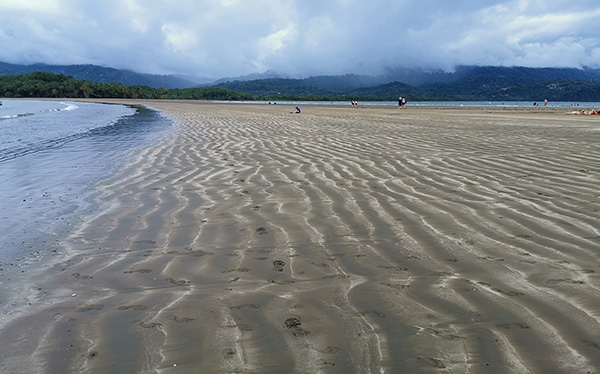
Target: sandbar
(339,240)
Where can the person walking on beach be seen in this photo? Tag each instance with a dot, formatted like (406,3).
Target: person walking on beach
(401,103)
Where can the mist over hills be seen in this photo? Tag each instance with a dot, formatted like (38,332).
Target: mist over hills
(464,83)
(101,74)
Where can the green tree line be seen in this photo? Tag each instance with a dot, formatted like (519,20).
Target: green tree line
(49,85)
(475,87)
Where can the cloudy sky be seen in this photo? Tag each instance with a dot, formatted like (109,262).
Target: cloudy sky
(216,38)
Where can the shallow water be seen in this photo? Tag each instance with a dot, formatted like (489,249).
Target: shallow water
(51,153)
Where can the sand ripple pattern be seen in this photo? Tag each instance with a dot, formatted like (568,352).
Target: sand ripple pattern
(341,240)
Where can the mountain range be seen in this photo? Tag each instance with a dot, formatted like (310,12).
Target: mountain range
(101,74)
(464,83)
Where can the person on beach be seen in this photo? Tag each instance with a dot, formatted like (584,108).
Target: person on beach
(296,111)
(401,102)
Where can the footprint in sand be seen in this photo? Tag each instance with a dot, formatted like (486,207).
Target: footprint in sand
(337,276)
(396,267)
(434,362)
(444,334)
(508,293)
(443,274)
(295,325)
(327,350)
(90,307)
(143,271)
(198,252)
(395,285)
(278,265)
(238,270)
(150,325)
(245,327)
(79,276)
(133,307)
(249,306)
(566,281)
(180,282)
(179,319)
(373,313)
(509,326)
(590,344)
(261,231)
(228,352)
(92,355)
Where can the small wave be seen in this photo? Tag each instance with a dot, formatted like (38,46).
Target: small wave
(11,116)
(70,106)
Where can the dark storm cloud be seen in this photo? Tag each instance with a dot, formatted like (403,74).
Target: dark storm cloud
(232,37)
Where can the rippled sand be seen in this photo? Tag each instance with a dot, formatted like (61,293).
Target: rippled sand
(339,240)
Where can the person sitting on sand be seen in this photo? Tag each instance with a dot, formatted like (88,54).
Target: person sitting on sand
(296,111)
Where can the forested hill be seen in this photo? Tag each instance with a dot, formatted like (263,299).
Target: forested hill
(49,85)
(100,74)
(519,83)
(497,84)
(466,83)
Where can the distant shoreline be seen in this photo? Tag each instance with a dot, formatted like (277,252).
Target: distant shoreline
(491,105)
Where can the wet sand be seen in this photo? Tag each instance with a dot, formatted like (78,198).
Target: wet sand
(340,240)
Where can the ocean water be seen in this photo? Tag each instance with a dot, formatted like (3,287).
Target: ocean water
(51,155)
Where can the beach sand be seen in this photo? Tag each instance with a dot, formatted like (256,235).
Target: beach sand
(340,240)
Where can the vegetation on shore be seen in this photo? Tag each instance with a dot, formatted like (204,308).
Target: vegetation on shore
(49,85)
(485,85)
(482,84)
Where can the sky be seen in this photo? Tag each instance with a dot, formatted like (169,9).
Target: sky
(228,38)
